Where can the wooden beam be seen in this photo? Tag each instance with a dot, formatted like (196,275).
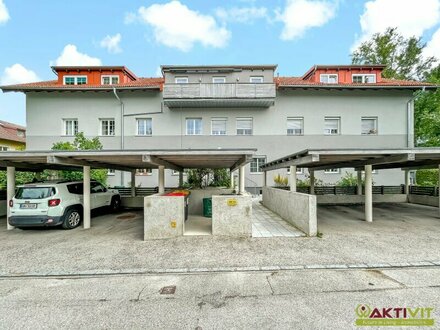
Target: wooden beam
(302,161)
(242,161)
(79,162)
(156,161)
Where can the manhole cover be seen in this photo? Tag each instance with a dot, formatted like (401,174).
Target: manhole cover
(126,216)
(168,290)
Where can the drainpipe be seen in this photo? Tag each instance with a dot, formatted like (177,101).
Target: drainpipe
(410,120)
(122,128)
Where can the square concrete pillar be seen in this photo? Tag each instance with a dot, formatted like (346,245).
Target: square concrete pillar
(10,192)
(161,179)
(368,193)
(231,179)
(292,178)
(181,178)
(359,182)
(241,180)
(133,183)
(312,182)
(86,197)
(264,178)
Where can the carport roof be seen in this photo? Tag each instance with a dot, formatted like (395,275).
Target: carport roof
(126,160)
(321,159)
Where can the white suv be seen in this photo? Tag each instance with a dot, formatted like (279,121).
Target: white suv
(57,203)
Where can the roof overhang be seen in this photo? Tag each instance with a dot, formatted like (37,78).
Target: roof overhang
(358,87)
(126,160)
(322,159)
(214,68)
(25,89)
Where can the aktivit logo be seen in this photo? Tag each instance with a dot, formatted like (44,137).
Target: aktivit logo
(394,316)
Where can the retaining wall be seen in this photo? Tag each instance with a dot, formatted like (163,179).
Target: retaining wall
(424,200)
(359,199)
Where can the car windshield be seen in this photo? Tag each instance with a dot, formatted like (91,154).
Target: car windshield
(34,192)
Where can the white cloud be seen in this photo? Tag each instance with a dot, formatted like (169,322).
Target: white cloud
(241,15)
(433,46)
(301,15)
(71,56)
(111,43)
(177,26)
(411,18)
(18,74)
(4,14)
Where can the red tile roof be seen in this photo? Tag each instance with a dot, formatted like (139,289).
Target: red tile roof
(300,82)
(9,131)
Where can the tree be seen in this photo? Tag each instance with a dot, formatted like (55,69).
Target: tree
(402,56)
(204,177)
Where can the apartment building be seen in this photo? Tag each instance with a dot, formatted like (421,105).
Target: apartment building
(227,106)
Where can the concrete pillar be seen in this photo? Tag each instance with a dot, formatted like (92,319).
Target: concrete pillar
(242,180)
(359,182)
(407,182)
(161,179)
(231,179)
(312,182)
(133,183)
(86,197)
(292,178)
(181,178)
(264,178)
(10,192)
(368,193)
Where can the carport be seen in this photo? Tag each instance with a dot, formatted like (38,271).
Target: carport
(365,160)
(123,160)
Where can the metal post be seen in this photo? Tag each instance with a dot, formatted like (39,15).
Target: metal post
(359,182)
(293,178)
(86,197)
(181,178)
(368,193)
(241,175)
(161,179)
(133,183)
(312,182)
(10,192)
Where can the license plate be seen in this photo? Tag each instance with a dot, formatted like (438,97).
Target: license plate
(28,206)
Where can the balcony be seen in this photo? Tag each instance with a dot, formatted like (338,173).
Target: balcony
(219,95)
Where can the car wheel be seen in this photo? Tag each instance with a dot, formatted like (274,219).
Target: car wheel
(115,204)
(72,219)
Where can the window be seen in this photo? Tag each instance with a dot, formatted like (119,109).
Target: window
(328,78)
(256,164)
(244,126)
(218,80)
(143,171)
(256,79)
(96,188)
(107,127)
(181,80)
(295,126)
(369,125)
(332,125)
(298,170)
(75,80)
(364,78)
(144,126)
(193,126)
(111,172)
(218,126)
(2,148)
(332,171)
(70,127)
(109,80)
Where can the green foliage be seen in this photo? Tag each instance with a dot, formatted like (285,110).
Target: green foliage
(20,178)
(402,56)
(204,177)
(427,177)
(221,178)
(306,182)
(280,181)
(349,180)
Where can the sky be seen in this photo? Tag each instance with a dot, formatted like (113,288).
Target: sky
(142,35)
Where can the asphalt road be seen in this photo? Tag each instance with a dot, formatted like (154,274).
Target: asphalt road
(302,299)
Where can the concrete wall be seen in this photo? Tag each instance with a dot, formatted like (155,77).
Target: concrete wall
(3,208)
(195,206)
(132,202)
(424,200)
(232,216)
(296,208)
(163,216)
(360,199)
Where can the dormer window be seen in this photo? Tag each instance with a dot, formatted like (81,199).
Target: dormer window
(109,80)
(181,80)
(328,78)
(218,80)
(364,78)
(256,80)
(75,80)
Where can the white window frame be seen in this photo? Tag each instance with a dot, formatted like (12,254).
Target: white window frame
(376,123)
(339,125)
(242,119)
(332,171)
(327,76)
(176,173)
(72,120)
(101,120)
(219,119)
(181,80)
(144,171)
(137,126)
(219,80)
(201,126)
(364,78)
(256,79)
(258,165)
(111,79)
(4,148)
(75,78)
(302,125)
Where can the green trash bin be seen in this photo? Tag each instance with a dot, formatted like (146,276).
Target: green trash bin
(207,207)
